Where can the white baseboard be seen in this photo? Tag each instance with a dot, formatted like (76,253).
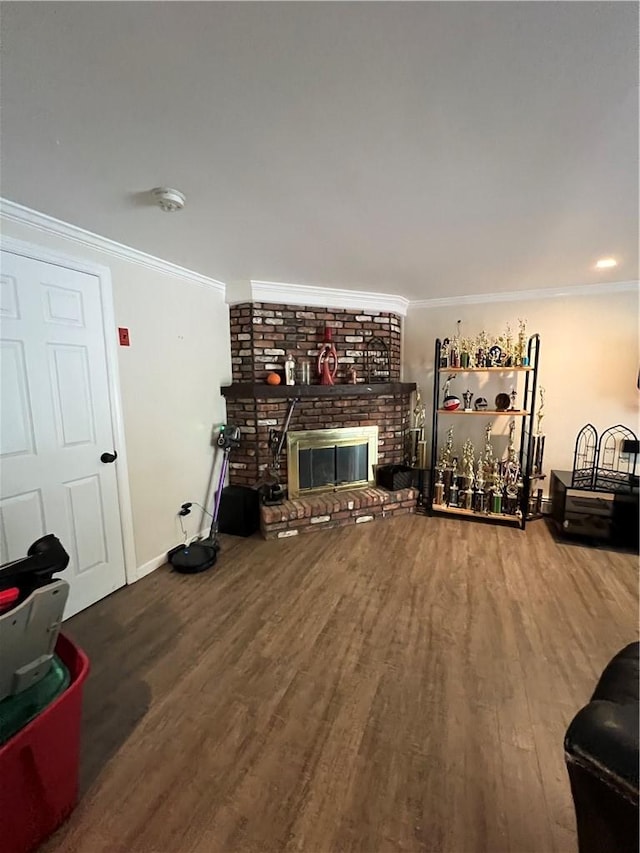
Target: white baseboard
(149,567)
(161,559)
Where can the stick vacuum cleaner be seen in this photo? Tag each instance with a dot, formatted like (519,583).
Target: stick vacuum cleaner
(202,554)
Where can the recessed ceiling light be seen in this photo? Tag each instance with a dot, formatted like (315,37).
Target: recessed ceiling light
(606,263)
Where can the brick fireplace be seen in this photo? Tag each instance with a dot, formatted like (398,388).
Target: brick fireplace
(261,336)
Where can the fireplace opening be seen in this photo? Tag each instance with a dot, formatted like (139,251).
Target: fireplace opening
(319,460)
(332,466)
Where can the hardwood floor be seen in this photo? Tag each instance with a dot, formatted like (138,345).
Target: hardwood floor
(398,686)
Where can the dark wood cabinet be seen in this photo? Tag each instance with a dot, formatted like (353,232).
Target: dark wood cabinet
(607,517)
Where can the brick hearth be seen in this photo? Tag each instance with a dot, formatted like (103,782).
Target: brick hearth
(334,509)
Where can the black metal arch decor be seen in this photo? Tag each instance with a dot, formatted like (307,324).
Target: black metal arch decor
(377,365)
(607,464)
(584,457)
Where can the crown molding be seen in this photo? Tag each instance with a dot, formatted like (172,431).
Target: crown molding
(14,212)
(323,297)
(529,295)
(292,294)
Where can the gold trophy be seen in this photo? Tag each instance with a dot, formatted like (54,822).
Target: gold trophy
(438,489)
(522,359)
(538,438)
(418,446)
(498,487)
(445,464)
(479,497)
(467,467)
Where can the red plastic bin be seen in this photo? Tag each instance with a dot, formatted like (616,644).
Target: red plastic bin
(39,765)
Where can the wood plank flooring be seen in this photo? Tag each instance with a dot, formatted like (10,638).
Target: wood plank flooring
(398,686)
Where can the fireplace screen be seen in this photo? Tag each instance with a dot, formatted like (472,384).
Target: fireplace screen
(328,459)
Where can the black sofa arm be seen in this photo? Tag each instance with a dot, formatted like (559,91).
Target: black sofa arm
(603,738)
(601,752)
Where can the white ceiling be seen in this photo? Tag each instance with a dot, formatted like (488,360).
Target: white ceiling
(422,149)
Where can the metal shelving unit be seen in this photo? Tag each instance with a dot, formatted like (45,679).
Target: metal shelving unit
(526,433)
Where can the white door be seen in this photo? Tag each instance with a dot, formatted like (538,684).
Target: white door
(55,422)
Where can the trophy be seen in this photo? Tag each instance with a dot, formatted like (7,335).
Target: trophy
(540,414)
(416,433)
(511,474)
(520,488)
(467,498)
(468,495)
(507,347)
(453,491)
(511,450)
(467,466)
(445,464)
(479,494)
(488,450)
(467,397)
(538,439)
(467,458)
(445,452)
(444,353)
(411,454)
(438,489)
(482,348)
(511,499)
(454,356)
(522,359)
(466,353)
(498,486)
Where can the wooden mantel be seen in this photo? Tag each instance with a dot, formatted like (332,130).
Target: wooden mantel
(263,391)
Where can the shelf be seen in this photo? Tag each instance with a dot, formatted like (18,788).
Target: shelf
(525,397)
(263,391)
(484,369)
(515,412)
(470,513)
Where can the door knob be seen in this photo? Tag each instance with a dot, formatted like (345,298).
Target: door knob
(109,457)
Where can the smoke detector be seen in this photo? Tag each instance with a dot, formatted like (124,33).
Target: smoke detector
(168,199)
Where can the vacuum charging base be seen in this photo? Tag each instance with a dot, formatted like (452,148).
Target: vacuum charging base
(194,558)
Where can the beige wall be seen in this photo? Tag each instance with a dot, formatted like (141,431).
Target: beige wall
(170,381)
(180,355)
(589,363)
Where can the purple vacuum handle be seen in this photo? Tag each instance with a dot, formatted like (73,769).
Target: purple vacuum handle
(223,474)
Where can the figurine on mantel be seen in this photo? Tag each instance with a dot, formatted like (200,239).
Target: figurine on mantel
(327,360)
